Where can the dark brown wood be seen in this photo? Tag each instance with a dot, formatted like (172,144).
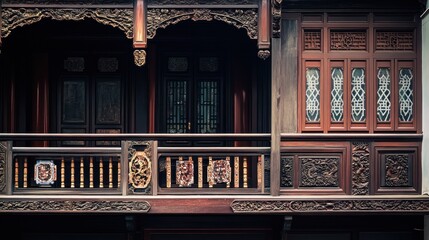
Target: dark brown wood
(191,205)
(152,86)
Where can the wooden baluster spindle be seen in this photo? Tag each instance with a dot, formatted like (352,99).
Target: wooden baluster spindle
(200,172)
(82,176)
(210,172)
(91,172)
(16,173)
(228,184)
(62,173)
(168,171)
(236,172)
(72,171)
(25,173)
(119,172)
(245,172)
(259,172)
(110,173)
(101,185)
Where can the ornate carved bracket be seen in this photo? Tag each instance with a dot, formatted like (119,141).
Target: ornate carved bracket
(78,206)
(335,205)
(360,168)
(239,18)
(118,18)
(277,17)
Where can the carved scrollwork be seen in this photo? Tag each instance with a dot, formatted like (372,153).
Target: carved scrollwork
(140,166)
(73,206)
(118,18)
(277,17)
(239,18)
(360,169)
(340,205)
(2,166)
(397,170)
(319,172)
(286,172)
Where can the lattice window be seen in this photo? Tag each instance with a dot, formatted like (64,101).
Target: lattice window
(358,95)
(176,106)
(337,93)
(383,95)
(312,95)
(406,95)
(207,107)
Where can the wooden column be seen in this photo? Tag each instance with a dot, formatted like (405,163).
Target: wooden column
(40,103)
(264,25)
(276,82)
(140,36)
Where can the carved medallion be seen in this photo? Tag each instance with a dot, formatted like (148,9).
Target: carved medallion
(139,166)
(139,57)
(45,172)
(360,169)
(264,54)
(396,167)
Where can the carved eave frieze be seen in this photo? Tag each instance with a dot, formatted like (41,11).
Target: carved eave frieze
(240,18)
(332,206)
(77,206)
(18,17)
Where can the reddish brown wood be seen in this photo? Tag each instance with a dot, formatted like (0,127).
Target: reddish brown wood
(41,97)
(264,25)
(140,36)
(152,88)
(191,206)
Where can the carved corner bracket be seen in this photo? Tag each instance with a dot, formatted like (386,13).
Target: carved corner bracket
(276,17)
(13,18)
(78,206)
(240,18)
(335,205)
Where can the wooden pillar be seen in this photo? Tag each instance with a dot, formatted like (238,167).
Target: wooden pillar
(276,82)
(40,102)
(425,100)
(140,36)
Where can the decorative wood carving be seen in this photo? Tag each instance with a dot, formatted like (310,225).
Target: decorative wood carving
(286,174)
(61,206)
(360,168)
(140,166)
(396,167)
(312,40)
(85,2)
(239,18)
(319,171)
(340,205)
(396,41)
(277,17)
(139,57)
(3,150)
(341,40)
(264,54)
(202,2)
(118,18)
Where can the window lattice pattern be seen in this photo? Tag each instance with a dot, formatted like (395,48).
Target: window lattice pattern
(312,40)
(337,93)
(207,109)
(395,41)
(348,40)
(176,107)
(406,95)
(358,95)
(312,95)
(383,95)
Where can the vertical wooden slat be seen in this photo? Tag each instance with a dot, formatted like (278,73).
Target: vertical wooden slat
(228,184)
(245,172)
(210,172)
(119,173)
(124,170)
(275,125)
(200,172)
(62,173)
(9,167)
(110,173)
(154,162)
(91,172)
(168,171)
(16,173)
(263,173)
(82,177)
(236,172)
(101,185)
(25,173)
(72,173)
(259,172)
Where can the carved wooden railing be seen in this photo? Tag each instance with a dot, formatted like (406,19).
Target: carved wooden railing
(38,164)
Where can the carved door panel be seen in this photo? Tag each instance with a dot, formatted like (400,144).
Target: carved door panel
(91,97)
